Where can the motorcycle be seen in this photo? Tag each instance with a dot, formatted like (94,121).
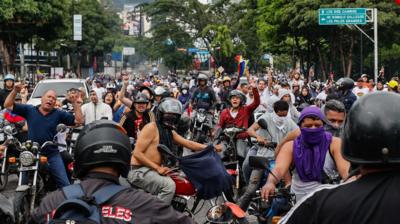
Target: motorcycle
(31,163)
(200,129)
(7,157)
(184,190)
(231,159)
(278,204)
(72,136)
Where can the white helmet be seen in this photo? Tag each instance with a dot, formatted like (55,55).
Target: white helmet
(110,85)
(159,90)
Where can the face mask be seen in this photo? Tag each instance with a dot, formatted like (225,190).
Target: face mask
(312,136)
(170,120)
(184,91)
(279,121)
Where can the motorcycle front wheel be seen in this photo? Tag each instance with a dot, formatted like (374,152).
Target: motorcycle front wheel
(21,207)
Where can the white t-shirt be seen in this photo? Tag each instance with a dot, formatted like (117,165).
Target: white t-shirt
(360,92)
(322,96)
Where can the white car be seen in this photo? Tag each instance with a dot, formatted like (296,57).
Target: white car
(61,86)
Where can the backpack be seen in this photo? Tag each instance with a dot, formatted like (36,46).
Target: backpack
(79,208)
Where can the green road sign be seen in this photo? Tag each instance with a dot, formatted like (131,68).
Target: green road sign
(342,16)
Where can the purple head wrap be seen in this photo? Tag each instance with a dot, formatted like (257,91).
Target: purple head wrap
(310,148)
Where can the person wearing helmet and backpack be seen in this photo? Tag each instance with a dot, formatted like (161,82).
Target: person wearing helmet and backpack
(203,97)
(102,155)
(370,141)
(148,168)
(9,80)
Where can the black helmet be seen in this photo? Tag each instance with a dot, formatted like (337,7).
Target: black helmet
(169,112)
(185,86)
(148,89)
(371,131)
(345,84)
(238,93)
(102,143)
(141,98)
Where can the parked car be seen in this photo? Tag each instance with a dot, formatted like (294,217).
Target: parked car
(61,86)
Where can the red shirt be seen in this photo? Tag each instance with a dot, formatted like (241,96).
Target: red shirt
(242,118)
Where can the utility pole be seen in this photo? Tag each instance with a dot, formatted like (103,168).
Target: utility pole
(375,12)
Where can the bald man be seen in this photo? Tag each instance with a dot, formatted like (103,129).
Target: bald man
(42,122)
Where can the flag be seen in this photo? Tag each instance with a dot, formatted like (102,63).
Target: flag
(242,65)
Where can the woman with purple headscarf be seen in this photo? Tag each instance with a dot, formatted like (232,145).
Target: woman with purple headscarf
(311,155)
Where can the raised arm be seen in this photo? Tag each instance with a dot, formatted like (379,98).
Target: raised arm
(9,102)
(126,101)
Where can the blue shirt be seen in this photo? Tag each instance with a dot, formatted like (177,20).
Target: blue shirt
(42,128)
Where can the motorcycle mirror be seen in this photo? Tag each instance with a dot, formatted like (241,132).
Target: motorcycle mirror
(219,214)
(262,123)
(8,130)
(61,127)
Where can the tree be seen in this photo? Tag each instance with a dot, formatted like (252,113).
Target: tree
(331,48)
(20,20)
(100,28)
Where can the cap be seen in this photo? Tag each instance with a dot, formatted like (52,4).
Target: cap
(392,84)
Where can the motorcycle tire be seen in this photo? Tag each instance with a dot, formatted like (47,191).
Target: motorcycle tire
(21,207)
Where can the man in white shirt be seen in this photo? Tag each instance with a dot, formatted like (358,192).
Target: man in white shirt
(360,90)
(100,90)
(95,109)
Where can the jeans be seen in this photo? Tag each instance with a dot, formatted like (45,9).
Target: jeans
(56,169)
(254,151)
(152,182)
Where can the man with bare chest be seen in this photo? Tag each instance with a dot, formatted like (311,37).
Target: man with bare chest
(147,171)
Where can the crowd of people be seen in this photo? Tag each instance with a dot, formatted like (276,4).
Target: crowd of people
(304,117)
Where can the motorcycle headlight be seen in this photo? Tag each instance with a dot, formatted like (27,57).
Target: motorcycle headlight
(26,158)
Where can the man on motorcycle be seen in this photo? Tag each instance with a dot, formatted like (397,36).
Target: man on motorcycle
(147,170)
(42,122)
(370,140)
(97,167)
(312,156)
(270,128)
(238,115)
(203,97)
